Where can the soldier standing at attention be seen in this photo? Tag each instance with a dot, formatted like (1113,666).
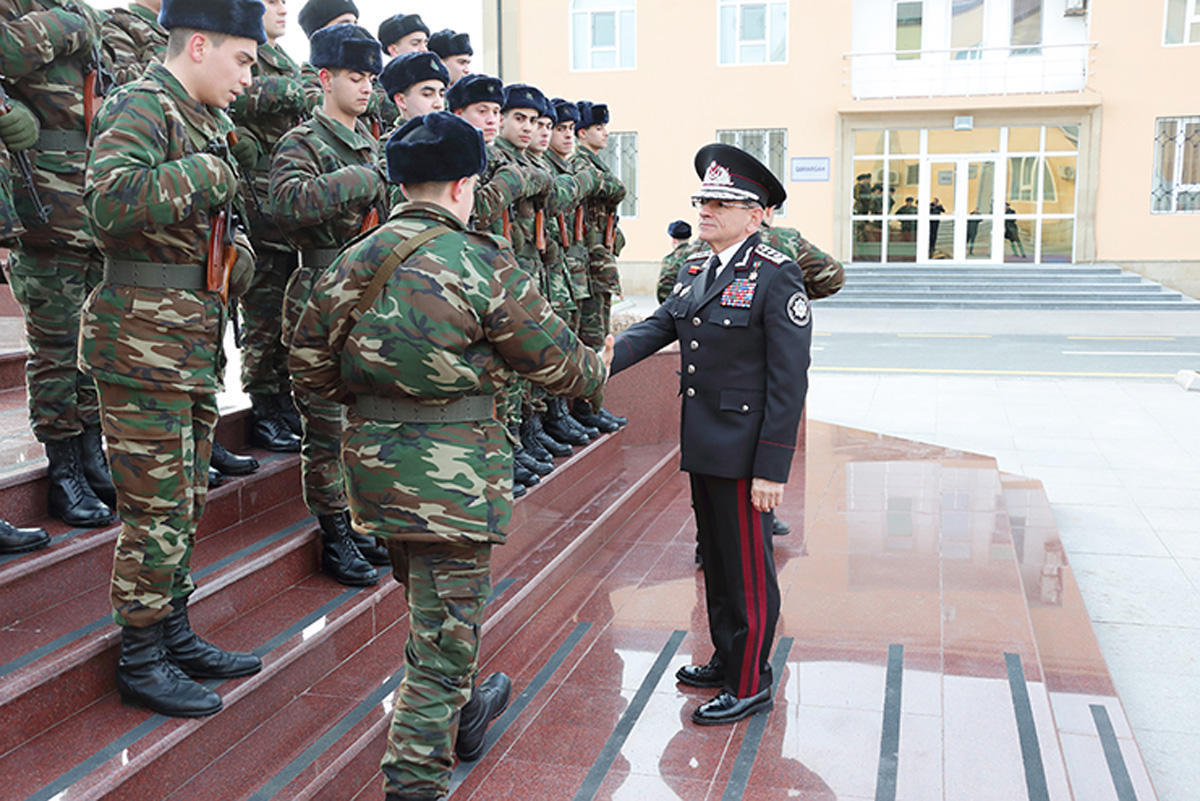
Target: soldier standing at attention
(416,82)
(315,15)
(681,236)
(160,193)
(399,34)
(53,76)
(418,363)
(326,189)
(454,49)
(272,105)
(132,38)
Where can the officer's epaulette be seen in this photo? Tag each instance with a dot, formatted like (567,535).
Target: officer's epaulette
(695,263)
(771,254)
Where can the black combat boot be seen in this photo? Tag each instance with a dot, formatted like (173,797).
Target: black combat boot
(340,557)
(620,421)
(562,426)
(531,445)
(95,466)
(231,464)
(146,678)
(287,410)
(215,477)
(487,701)
(370,547)
(535,466)
(20,540)
(198,658)
(71,499)
(546,440)
(522,476)
(268,429)
(584,414)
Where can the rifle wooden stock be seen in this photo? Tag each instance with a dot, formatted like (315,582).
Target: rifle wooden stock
(506,226)
(221,257)
(562,231)
(539,230)
(376,128)
(370,220)
(89,99)
(579,224)
(610,230)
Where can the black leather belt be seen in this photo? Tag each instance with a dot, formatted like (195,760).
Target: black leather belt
(52,140)
(155,274)
(470,409)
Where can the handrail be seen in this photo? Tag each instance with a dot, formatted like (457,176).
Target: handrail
(934,50)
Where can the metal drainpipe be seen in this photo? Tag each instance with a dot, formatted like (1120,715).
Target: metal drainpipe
(500,39)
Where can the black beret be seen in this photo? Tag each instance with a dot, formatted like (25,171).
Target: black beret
(241,18)
(393,29)
(730,173)
(679,230)
(447,43)
(474,88)
(346,47)
(565,110)
(316,14)
(522,95)
(407,69)
(591,114)
(439,146)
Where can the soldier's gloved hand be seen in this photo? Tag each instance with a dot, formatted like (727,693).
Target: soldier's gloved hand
(19,128)
(242,273)
(220,178)
(245,150)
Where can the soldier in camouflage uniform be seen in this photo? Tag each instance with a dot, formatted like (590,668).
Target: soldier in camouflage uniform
(132,38)
(49,49)
(273,104)
(326,189)
(681,234)
(399,34)
(416,83)
(315,15)
(428,464)
(160,183)
(454,49)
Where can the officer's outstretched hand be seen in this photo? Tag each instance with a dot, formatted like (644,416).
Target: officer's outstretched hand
(765,495)
(607,353)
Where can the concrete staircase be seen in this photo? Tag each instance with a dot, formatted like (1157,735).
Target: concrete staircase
(1007,286)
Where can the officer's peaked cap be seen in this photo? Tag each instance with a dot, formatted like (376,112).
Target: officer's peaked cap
(316,14)
(474,88)
(407,69)
(565,110)
(347,47)
(730,173)
(591,114)
(447,43)
(435,147)
(679,230)
(521,95)
(241,18)
(393,29)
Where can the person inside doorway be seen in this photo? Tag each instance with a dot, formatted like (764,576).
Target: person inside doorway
(935,209)
(1012,233)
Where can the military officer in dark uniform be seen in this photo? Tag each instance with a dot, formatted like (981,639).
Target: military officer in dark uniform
(741,315)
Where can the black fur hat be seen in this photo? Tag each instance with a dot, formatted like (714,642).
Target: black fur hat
(316,14)
(407,69)
(447,43)
(346,47)
(474,88)
(679,230)
(522,95)
(439,146)
(242,18)
(395,28)
(565,110)
(591,114)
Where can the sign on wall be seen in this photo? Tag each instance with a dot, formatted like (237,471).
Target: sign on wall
(810,168)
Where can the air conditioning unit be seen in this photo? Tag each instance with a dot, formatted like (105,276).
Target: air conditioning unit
(1066,172)
(1075,8)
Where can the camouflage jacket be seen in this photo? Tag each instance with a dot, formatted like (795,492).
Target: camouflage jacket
(132,38)
(150,196)
(823,274)
(503,183)
(315,200)
(597,208)
(524,210)
(456,319)
(568,213)
(11,227)
(47,47)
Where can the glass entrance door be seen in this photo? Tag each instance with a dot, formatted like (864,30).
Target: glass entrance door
(957,213)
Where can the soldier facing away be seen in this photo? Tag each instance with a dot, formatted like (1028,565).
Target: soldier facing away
(418,365)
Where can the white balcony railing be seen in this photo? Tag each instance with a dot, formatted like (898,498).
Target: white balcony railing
(976,71)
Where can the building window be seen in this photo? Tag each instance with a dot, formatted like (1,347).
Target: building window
(1023,179)
(966,28)
(603,34)
(621,156)
(908,30)
(1176,185)
(753,32)
(1183,22)
(768,145)
(1026,26)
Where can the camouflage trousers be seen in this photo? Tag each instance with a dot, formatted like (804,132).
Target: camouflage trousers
(264,356)
(321,453)
(51,287)
(159,446)
(595,315)
(447,586)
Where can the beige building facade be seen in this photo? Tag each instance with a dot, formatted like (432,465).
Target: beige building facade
(951,131)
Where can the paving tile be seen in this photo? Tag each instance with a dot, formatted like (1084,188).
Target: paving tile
(1132,647)
(1136,589)
(1171,760)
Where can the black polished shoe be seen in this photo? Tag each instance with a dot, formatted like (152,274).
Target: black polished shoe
(779,528)
(286,405)
(518,490)
(372,548)
(535,466)
(522,475)
(728,708)
(20,540)
(268,429)
(146,678)
(198,658)
(70,498)
(584,414)
(487,701)
(710,675)
(543,437)
(231,464)
(562,426)
(699,556)
(95,466)
(620,421)
(340,557)
(530,443)
(215,478)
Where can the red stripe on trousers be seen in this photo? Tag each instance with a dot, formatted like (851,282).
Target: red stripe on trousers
(748,589)
(760,575)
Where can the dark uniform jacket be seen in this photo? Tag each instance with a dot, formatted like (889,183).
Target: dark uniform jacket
(744,353)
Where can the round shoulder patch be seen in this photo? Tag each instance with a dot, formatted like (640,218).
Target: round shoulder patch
(798,310)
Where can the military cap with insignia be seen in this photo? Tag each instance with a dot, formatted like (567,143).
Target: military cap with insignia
(447,43)
(679,230)
(241,18)
(395,28)
(407,69)
(346,47)
(565,110)
(730,173)
(591,114)
(316,14)
(548,112)
(474,88)
(435,147)
(522,95)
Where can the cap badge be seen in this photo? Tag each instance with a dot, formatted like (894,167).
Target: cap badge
(717,175)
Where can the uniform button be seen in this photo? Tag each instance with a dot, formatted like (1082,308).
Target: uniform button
(691,392)
(691,369)
(726,322)
(694,345)
(695,321)
(745,408)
